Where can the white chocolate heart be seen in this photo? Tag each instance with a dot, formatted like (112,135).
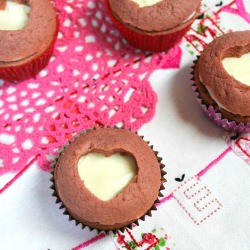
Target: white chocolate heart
(14,17)
(144,3)
(105,177)
(238,67)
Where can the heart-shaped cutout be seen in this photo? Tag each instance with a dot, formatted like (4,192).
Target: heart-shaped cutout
(238,67)
(14,16)
(105,177)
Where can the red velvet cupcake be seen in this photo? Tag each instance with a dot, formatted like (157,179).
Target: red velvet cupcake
(108,179)
(28,30)
(222,81)
(154,25)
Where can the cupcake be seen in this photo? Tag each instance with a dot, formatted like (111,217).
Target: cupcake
(222,80)
(154,25)
(107,179)
(28,30)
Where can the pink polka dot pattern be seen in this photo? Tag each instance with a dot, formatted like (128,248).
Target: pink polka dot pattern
(94,78)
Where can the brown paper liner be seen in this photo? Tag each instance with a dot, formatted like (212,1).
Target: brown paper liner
(130,225)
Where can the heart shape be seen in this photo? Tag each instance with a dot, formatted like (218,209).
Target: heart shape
(238,67)
(106,176)
(14,16)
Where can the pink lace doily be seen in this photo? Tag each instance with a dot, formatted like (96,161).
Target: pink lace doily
(94,78)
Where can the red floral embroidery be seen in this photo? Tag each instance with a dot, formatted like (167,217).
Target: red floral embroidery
(148,238)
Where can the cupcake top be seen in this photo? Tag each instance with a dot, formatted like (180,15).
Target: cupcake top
(154,15)
(37,30)
(11,9)
(224,71)
(127,166)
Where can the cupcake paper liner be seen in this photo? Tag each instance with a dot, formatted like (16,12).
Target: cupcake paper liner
(214,114)
(32,68)
(155,43)
(130,226)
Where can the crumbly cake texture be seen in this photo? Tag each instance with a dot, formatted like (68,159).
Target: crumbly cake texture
(156,28)
(135,201)
(214,83)
(27,51)
(163,16)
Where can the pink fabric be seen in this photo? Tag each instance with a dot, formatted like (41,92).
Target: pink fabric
(90,60)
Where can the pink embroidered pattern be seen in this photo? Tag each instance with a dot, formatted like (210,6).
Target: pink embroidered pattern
(237,7)
(214,162)
(240,144)
(207,26)
(18,175)
(243,144)
(206,30)
(150,239)
(196,200)
(94,78)
(89,242)
(155,239)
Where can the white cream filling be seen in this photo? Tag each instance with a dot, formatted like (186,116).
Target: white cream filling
(211,95)
(14,17)
(145,3)
(238,67)
(105,177)
(189,17)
